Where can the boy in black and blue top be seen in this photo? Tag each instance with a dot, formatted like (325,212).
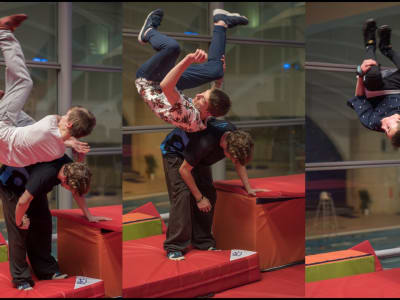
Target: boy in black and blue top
(187,159)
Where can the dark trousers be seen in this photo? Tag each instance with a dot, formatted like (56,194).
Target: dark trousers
(187,224)
(374,81)
(167,53)
(34,242)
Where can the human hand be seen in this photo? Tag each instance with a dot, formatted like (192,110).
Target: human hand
(253,192)
(98,218)
(367,64)
(77,145)
(25,223)
(199,56)
(204,205)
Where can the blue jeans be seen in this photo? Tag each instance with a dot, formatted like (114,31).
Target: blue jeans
(168,50)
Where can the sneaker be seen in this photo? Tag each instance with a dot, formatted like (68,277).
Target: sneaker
(230,19)
(58,275)
(12,22)
(153,20)
(24,286)
(175,255)
(384,33)
(213,249)
(369,29)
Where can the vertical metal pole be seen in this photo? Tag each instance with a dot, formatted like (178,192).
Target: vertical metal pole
(218,169)
(64,80)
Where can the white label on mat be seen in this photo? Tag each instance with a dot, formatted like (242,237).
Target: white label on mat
(237,254)
(82,281)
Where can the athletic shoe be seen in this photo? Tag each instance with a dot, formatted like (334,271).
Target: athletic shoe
(230,19)
(12,22)
(153,20)
(58,275)
(175,255)
(213,249)
(24,286)
(369,29)
(384,33)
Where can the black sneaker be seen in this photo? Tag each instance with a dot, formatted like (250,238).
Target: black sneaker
(230,19)
(58,275)
(24,286)
(153,20)
(175,255)
(384,33)
(369,29)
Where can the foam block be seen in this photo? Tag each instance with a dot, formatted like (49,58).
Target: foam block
(72,287)
(147,272)
(139,225)
(150,209)
(271,223)
(381,284)
(91,249)
(338,264)
(3,249)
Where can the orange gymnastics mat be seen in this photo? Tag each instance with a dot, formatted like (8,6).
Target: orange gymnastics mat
(91,249)
(283,283)
(72,287)
(147,272)
(271,223)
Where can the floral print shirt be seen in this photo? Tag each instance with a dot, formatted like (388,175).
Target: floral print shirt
(183,114)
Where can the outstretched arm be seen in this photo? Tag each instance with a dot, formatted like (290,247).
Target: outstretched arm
(81,201)
(171,79)
(242,172)
(186,172)
(22,206)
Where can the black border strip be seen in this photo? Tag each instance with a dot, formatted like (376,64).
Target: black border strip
(271,200)
(141,220)
(338,259)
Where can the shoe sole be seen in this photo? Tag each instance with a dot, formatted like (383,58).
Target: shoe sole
(141,30)
(219,11)
(60,277)
(177,259)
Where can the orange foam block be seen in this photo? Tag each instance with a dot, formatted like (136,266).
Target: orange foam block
(271,223)
(92,249)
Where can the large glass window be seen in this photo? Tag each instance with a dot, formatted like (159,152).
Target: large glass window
(269,85)
(270,20)
(190,18)
(96,33)
(38,34)
(334,32)
(100,92)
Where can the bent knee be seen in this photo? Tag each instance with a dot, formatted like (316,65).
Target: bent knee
(174,48)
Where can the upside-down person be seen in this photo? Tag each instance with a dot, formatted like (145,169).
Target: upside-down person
(377,96)
(160,82)
(23,141)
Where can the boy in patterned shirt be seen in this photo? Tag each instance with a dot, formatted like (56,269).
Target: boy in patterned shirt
(160,82)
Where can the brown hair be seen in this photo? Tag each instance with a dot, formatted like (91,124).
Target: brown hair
(82,120)
(240,146)
(219,103)
(78,177)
